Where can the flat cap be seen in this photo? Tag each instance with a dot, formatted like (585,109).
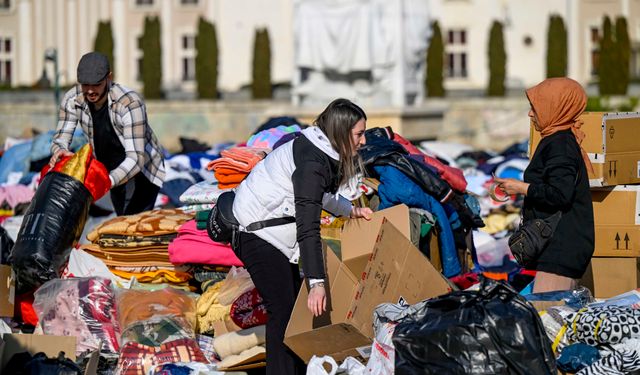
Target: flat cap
(93,68)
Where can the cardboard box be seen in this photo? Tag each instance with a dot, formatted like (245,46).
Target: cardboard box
(7,291)
(617,205)
(11,344)
(616,212)
(396,271)
(359,236)
(611,142)
(608,277)
(50,345)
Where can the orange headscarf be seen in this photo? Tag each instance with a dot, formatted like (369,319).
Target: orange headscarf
(557,103)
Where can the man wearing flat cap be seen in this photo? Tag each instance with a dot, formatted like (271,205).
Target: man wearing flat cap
(114,121)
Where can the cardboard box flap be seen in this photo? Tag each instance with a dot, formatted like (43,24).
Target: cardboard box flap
(50,345)
(341,285)
(7,291)
(359,235)
(328,340)
(397,271)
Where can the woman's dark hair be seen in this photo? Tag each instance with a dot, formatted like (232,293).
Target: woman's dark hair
(336,121)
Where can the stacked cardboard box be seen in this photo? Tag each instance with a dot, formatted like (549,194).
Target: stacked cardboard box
(613,148)
(376,263)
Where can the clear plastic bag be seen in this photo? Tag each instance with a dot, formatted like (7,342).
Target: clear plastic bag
(158,327)
(237,282)
(154,317)
(81,307)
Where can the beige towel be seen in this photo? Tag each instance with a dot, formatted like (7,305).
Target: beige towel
(237,342)
(259,352)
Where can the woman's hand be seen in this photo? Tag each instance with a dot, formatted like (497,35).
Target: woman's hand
(317,300)
(361,212)
(512,186)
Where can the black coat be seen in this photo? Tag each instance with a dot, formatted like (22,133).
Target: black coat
(558,181)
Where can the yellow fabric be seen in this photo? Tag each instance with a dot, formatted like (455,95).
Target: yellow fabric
(497,222)
(208,310)
(155,277)
(76,167)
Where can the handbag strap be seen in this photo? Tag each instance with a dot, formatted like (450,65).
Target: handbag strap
(270,223)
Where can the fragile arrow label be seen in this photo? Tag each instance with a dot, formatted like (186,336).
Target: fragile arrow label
(613,167)
(626,241)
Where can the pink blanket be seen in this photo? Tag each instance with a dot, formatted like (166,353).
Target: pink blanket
(194,246)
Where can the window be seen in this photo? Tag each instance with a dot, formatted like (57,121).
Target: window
(5,4)
(188,69)
(5,60)
(456,53)
(188,42)
(144,2)
(188,57)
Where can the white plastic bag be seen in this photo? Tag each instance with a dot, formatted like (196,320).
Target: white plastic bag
(382,359)
(83,264)
(316,366)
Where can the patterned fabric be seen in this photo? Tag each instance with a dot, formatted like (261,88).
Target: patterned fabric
(155,277)
(156,222)
(204,192)
(155,332)
(128,114)
(618,363)
(249,310)
(80,307)
(206,345)
(268,137)
(115,240)
(603,325)
(197,207)
(138,359)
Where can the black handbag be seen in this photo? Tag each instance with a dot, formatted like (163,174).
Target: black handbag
(531,238)
(222,225)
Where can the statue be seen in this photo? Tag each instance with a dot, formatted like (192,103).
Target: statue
(372,51)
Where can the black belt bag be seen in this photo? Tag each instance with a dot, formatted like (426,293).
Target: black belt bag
(222,225)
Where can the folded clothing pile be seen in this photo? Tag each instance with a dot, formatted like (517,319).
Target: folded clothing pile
(193,246)
(235,164)
(128,244)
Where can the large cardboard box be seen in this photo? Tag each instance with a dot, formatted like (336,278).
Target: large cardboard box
(396,271)
(611,142)
(7,292)
(608,277)
(50,345)
(616,212)
(358,236)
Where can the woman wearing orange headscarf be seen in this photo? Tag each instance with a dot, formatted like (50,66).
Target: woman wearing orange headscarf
(556,180)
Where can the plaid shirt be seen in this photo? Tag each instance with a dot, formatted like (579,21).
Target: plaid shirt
(129,119)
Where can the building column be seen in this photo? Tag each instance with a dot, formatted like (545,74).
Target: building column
(625,9)
(120,56)
(574,62)
(24,72)
(72,41)
(166,38)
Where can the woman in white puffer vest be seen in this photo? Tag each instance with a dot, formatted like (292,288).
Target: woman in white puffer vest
(298,179)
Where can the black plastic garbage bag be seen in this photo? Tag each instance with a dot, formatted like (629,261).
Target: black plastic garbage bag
(6,243)
(492,331)
(50,228)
